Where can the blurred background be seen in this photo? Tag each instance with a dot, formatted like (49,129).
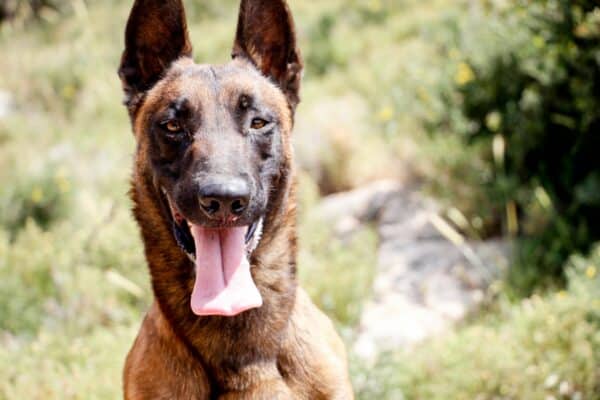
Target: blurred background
(449,193)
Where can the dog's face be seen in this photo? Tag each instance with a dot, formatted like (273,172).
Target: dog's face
(215,138)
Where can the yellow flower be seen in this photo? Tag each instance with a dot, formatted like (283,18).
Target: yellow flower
(375,6)
(63,185)
(60,177)
(493,121)
(538,41)
(61,173)
(543,197)
(386,114)
(69,92)
(464,74)
(423,95)
(454,54)
(591,272)
(562,294)
(37,195)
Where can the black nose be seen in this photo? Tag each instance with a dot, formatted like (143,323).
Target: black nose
(224,197)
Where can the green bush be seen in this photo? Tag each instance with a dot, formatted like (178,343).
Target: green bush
(27,9)
(324,55)
(73,281)
(545,347)
(77,275)
(43,197)
(532,109)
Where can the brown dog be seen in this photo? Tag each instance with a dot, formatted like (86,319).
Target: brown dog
(213,189)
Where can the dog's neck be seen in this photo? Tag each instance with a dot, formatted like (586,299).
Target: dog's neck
(225,345)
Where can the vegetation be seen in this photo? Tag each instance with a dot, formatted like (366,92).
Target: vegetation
(545,347)
(414,87)
(530,109)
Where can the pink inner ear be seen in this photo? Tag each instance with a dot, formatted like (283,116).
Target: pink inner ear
(266,35)
(156,35)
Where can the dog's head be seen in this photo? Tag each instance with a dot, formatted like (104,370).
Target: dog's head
(214,138)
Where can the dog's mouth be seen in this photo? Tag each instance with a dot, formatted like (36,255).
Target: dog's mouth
(182,231)
(223,282)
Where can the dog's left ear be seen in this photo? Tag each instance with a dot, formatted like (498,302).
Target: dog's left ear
(266,36)
(156,35)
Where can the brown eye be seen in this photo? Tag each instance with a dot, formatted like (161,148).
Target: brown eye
(173,126)
(258,123)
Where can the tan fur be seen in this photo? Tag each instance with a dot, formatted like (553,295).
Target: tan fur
(286,349)
(311,363)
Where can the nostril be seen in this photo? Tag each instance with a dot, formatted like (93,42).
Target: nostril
(210,205)
(238,206)
(223,198)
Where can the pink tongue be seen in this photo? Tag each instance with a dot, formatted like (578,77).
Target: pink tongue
(224,285)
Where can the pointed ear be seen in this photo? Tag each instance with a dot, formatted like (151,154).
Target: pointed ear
(156,35)
(266,36)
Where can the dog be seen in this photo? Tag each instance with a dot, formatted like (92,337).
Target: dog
(213,192)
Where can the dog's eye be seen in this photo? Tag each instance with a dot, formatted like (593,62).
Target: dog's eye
(173,126)
(258,123)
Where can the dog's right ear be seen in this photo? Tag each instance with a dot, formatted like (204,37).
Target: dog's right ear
(156,35)
(266,36)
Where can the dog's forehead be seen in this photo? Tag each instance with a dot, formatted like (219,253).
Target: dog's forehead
(220,83)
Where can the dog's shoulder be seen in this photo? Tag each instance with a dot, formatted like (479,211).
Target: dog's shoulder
(158,352)
(314,360)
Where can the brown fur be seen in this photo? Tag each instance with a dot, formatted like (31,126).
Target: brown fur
(286,349)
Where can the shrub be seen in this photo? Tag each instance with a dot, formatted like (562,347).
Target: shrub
(532,108)
(10,9)
(43,197)
(541,348)
(323,55)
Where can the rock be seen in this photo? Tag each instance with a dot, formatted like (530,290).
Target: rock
(6,104)
(424,282)
(348,211)
(428,277)
(363,204)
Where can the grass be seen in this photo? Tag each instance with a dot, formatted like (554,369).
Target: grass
(545,347)
(73,281)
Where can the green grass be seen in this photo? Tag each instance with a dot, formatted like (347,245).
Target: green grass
(545,347)
(73,280)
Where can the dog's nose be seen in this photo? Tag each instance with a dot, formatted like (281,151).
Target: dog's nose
(223,198)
